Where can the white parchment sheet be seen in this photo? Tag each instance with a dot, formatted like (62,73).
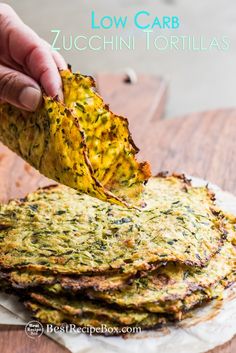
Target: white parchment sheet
(211,326)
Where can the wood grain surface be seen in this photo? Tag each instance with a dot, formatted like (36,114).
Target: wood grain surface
(201,144)
(142,101)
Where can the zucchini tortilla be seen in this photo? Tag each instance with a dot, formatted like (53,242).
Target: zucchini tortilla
(80,311)
(81,307)
(63,231)
(171,280)
(160,289)
(49,315)
(25,279)
(80,143)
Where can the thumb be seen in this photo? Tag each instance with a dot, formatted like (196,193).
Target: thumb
(19,89)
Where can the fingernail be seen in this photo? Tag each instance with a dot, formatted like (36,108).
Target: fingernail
(30,98)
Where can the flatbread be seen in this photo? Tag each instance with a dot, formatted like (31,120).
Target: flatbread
(80,307)
(109,144)
(77,308)
(160,289)
(26,279)
(48,315)
(61,231)
(56,140)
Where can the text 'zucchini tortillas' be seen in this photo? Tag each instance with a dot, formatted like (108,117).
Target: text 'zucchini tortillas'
(81,143)
(62,231)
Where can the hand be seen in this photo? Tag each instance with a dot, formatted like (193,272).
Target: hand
(26,63)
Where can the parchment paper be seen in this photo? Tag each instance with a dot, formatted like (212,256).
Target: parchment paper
(211,326)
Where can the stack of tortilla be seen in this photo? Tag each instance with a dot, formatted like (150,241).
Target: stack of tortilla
(75,259)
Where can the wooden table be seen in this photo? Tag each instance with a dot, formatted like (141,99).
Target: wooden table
(201,144)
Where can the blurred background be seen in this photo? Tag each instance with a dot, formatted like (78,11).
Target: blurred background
(198,80)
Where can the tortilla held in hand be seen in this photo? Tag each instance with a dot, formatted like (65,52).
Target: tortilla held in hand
(79,143)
